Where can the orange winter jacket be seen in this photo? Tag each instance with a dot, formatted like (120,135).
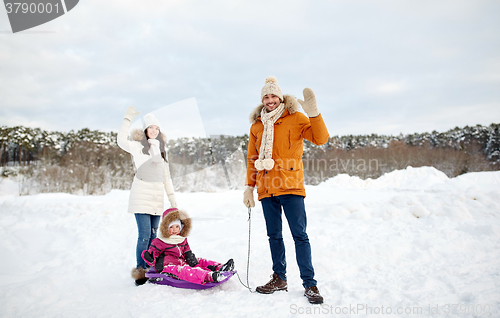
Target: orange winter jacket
(287,175)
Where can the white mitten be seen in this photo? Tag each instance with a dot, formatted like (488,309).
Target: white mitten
(248,197)
(154,150)
(154,142)
(309,105)
(131,113)
(171,199)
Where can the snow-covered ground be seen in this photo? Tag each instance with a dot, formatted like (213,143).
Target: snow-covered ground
(412,243)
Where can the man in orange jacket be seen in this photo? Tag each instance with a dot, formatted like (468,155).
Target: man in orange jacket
(275,167)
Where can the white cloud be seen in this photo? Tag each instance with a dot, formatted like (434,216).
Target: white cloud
(381,87)
(375,66)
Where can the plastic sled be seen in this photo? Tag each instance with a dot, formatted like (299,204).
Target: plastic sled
(162,279)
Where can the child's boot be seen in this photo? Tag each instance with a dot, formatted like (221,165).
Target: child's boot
(228,267)
(216,276)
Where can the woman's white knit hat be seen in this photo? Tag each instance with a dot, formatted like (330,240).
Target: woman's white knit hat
(271,87)
(150,119)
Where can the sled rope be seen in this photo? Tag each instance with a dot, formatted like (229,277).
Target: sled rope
(247,286)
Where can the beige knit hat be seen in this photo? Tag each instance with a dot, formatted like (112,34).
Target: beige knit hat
(271,87)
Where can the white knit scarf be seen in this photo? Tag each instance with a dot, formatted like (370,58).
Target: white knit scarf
(173,239)
(265,160)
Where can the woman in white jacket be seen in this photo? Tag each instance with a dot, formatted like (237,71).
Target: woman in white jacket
(151,179)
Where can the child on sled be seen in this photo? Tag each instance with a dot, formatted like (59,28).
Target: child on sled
(170,253)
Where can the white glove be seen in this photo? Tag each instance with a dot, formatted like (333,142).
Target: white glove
(309,105)
(131,113)
(248,197)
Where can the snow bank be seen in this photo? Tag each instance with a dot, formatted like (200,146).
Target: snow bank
(413,193)
(8,187)
(412,240)
(408,179)
(479,180)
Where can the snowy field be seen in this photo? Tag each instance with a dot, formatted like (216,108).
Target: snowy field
(412,243)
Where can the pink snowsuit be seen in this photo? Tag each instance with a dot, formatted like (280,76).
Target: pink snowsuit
(175,261)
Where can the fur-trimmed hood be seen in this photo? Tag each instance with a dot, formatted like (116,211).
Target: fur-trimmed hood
(291,104)
(172,216)
(138,135)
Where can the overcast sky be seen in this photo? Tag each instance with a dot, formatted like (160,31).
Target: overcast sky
(384,67)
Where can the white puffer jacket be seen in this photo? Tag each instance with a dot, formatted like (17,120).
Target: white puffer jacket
(152,176)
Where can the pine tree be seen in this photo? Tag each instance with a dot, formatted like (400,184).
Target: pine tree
(493,145)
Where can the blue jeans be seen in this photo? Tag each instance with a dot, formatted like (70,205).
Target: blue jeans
(295,213)
(147,226)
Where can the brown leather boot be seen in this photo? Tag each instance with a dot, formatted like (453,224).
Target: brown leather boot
(139,274)
(312,294)
(275,284)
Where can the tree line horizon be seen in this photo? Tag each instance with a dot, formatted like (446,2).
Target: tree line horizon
(91,161)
